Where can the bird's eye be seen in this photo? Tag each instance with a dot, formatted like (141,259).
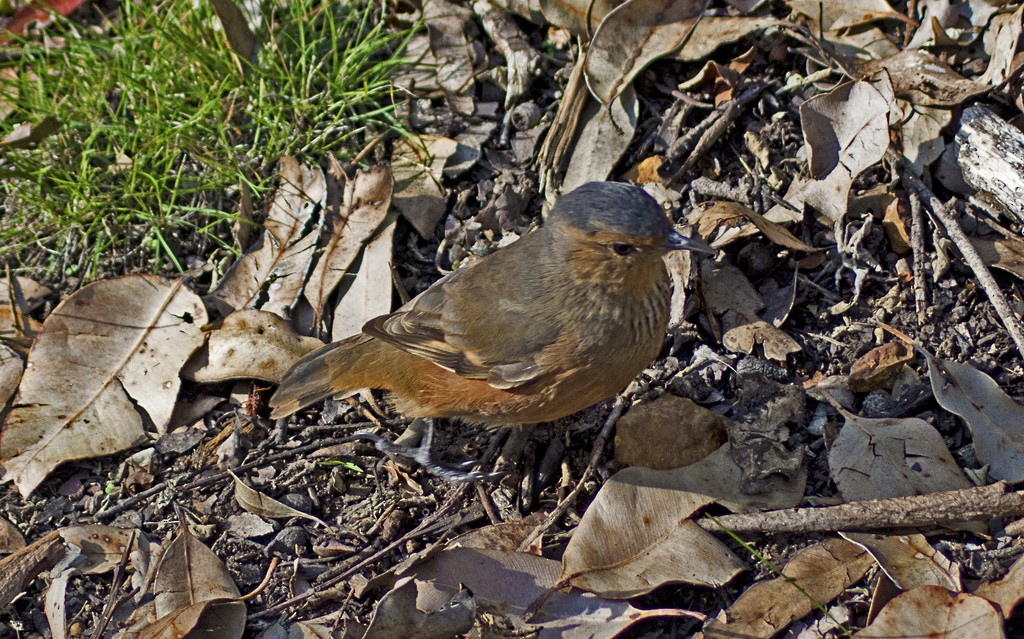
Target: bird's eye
(623,249)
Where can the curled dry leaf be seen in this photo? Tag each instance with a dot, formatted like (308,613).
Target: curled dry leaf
(933,611)
(715,214)
(995,419)
(519,588)
(1002,41)
(277,266)
(249,344)
(112,348)
(909,560)
(881,458)
(668,432)
(815,576)
(633,35)
(355,213)
(257,503)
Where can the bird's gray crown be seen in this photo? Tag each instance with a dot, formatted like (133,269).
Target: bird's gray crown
(611,206)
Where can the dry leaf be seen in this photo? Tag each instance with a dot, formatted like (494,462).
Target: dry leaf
(28,135)
(996,421)
(635,531)
(355,214)
(881,458)
(636,537)
(721,211)
(11,368)
(909,560)
(933,611)
(399,614)
(520,588)
(241,38)
(112,348)
(775,343)
(449,26)
(259,504)
(101,547)
(276,267)
(846,131)
(11,539)
(879,367)
(192,592)
(418,168)
(842,15)
(369,294)
(815,576)
(249,344)
(1002,40)
(1006,254)
(667,432)
(630,37)
(923,80)
(895,229)
(604,134)
(1007,592)
(711,32)
(19,569)
(573,15)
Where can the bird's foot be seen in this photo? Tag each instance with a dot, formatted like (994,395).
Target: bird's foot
(456,473)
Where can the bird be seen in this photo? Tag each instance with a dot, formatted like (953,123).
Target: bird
(555,322)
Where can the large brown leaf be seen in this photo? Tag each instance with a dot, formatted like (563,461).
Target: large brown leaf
(110,349)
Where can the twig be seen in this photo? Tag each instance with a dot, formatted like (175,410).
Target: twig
(116,583)
(917,246)
(134,500)
(266,580)
(438,519)
(595,456)
(955,233)
(935,509)
(709,131)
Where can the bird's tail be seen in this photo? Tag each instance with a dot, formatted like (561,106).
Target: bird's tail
(332,370)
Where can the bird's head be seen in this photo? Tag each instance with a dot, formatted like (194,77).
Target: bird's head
(615,234)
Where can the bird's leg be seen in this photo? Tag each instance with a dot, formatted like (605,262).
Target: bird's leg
(459,472)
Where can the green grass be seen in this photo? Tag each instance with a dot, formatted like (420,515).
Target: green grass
(162,125)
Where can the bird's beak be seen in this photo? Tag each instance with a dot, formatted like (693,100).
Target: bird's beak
(678,241)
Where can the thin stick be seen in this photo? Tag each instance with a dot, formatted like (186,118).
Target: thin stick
(917,246)
(944,214)
(934,509)
(595,456)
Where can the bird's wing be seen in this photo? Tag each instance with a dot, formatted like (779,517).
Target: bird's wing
(472,328)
